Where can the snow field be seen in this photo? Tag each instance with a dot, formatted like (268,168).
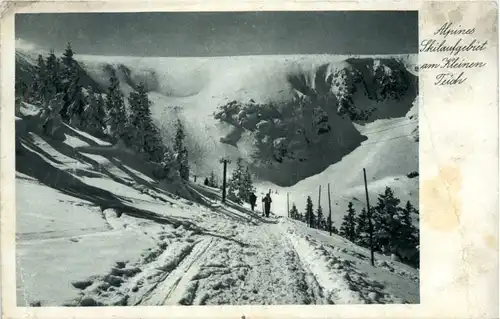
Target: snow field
(92,216)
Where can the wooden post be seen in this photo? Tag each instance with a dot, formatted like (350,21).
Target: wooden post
(225,162)
(330,211)
(288,204)
(319,205)
(369,219)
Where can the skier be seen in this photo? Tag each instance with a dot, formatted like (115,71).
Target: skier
(206,182)
(253,200)
(267,204)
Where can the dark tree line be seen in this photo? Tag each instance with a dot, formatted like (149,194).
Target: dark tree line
(313,219)
(57,87)
(393,231)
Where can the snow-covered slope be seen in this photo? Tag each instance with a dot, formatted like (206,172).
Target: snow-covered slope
(105,232)
(357,114)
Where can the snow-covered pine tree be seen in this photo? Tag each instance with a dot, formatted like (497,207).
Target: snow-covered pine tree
(181,150)
(38,85)
(309,213)
(184,164)
(212,182)
(153,143)
(385,223)
(320,222)
(348,226)
(406,241)
(92,115)
(70,81)
(363,229)
(67,61)
(51,117)
(115,106)
(169,165)
(75,108)
(53,80)
(294,213)
(101,110)
(247,185)
(138,118)
(235,186)
(142,134)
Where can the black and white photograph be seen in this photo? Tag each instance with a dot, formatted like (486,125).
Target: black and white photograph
(217,158)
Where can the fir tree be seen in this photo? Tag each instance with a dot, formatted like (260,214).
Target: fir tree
(363,229)
(294,213)
(101,110)
(51,116)
(67,58)
(74,113)
(38,86)
(212,181)
(385,221)
(179,136)
(142,134)
(348,226)
(70,81)
(406,239)
(115,106)
(181,151)
(235,189)
(309,214)
(247,186)
(320,221)
(92,115)
(138,119)
(153,143)
(169,164)
(53,81)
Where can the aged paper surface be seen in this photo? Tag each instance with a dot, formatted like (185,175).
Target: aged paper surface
(458,164)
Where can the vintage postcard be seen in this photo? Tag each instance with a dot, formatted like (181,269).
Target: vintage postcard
(251,160)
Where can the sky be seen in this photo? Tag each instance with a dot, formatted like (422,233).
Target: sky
(200,34)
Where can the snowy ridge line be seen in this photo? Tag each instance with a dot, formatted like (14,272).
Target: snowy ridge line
(344,281)
(390,128)
(336,288)
(390,139)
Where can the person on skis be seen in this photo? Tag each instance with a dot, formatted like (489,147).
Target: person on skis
(253,200)
(267,204)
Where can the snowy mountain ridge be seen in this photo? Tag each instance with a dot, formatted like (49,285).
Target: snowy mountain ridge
(195,89)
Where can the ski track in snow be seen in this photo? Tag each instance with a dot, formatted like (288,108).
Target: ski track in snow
(274,266)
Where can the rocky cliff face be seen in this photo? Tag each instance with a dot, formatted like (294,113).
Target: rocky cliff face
(315,129)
